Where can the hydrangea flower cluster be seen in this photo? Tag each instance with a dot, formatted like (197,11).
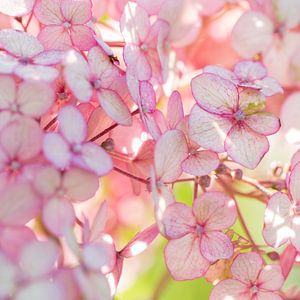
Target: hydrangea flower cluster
(106,106)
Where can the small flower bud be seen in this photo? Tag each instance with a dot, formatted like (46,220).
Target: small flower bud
(273,255)
(237,174)
(280,185)
(108,144)
(221,169)
(204,181)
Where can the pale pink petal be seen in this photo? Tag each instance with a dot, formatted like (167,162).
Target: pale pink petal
(77,76)
(21,139)
(221,72)
(210,7)
(16,8)
(7,91)
(72,124)
(147,97)
(58,216)
(231,289)
(79,184)
(170,150)
(35,98)
(20,43)
(208,130)
(295,234)
(47,181)
(83,37)
(56,150)
(215,211)
(270,278)
(134,23)
(76,12)
(35,72)
(114,106)
(95,159)
(262,295)
(253,33)
(48,12)
(33,264)
(294,184)
(201,163)
(287,259)
(216,245)
(49,57)
(7,63)
(263,123)
(99,221)
(277,220)
(183,258)
(246,267)
(288,12)
(175,110)
(215,94)
(19,204)
(152,7)
(245,146)
(55,37)
(250,70)
(100,255)
(5,117)
(269,86)
(178,220)
(295,159)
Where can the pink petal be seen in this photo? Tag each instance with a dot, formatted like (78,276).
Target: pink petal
(215,211)
(19,204)
(250,70)
(269,86)
(295,234)
(16,8)
(49,57)
(270,278)
(55,37)
(95,159)
(152,7)
(79,184)
(34,72)
(134,23)
(140,242)
(7,91)
(221,72)
(294,184)
(56,150)
(7,63)
(277,220)
(21,139)
(214,94)
(210,7)
(295,159)
(170,150)
(77,76)
(76,12)
(246,267)
(252,34)
(216,245)
(20,43)
(262,295)
(201,163)
(231,288)
(114,106)
(287,260)
(175,110)
(263,123)
(35,98)
(147,97)
(208,130)
(99,221)
(178,220)
(245,146)
(48,12)
(183,258)
(58,216)
(33,264)
(83,37)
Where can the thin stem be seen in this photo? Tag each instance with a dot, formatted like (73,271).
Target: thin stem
(180,180)
(195,188)
(50,123)
(161,286)
(131,176)
(115,44)
(28,22)
(257,185)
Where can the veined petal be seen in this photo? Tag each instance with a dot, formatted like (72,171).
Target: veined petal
(7,91)
(221,72)
(16,8)
(250,70)
(294,183)
(82,37)
(245,146)
(48,12)
(263,123)
(49,57)
(175,109)
(270,278)
(35,72)
(183,258)
(262,295)
(76,12)
(7,63)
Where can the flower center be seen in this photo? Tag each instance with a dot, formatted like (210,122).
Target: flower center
(67,25)
(199,229)
(14,165)
(254,289)
(76,148)
(60,193)
(14,107)
(239,115)
(96,84)
(24,60)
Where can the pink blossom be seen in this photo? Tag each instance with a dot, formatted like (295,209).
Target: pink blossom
(101,77)
(65,24)
(226,119)
(250,280)
(282,218)
(195,234)
(25,56)
(69,147)
(16,7)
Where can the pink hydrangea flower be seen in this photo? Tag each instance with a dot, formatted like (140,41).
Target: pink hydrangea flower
(69,147)
(282,215)
(195,234)
(226,119)
(65,24)
(250,280)
(101,77)
(248,74)
(25,56)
